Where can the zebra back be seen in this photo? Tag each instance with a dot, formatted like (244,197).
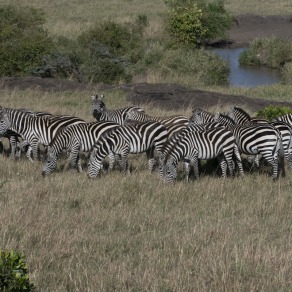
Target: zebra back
(241,117)
(100,113)
(285,118)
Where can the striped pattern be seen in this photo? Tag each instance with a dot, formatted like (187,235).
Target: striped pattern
(200,116)
(173,124)
(258,139)
(100,113)
(75,138)
(142,137)
(34,130)
(285,118)
(241,117)
(194,145)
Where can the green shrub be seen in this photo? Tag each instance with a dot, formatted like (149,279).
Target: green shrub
(270,112)
(271,52)
(13,272)
(23,41)
(287,73)
(110,50)
(196,22)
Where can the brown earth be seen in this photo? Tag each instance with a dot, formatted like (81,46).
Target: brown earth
(170,96)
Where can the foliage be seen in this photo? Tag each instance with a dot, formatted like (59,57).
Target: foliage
(13,272)
(197,22)
(271,52)
(270,112)
(110,49)
(23,41)
(287,73)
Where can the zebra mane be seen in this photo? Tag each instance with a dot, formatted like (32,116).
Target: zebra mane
(218,116)
(242,112)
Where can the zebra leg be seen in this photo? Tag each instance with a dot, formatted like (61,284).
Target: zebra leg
(196,167)
(112,160)
(13,143)
(187,169)
(274,162)
(223,165)
(79,166)
(124,163)
(151,159)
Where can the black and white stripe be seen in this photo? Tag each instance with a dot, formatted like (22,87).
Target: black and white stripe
(101,113)
(173,124)
(285,118)
(193,145)
(33,129)
(257,139)
(241,117)
(138,138)
(75,138)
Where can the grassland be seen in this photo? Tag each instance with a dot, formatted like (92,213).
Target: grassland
(134,233)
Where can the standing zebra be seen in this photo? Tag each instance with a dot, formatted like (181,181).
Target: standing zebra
(138,138)
(242,118)
(100,113)
(193,145)
(200,116)
(256,139)
(34,130)
(173,124)
(75,138)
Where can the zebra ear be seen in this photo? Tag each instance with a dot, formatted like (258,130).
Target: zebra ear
(93,97)
(231,115)
(100,97)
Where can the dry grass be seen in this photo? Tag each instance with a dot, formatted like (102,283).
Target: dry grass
(135,233)
(70,18)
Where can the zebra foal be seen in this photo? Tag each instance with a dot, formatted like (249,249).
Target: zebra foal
(138,138)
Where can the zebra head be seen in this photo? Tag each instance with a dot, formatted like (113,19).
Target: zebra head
(98,106)
(50,162)
(94,164)
(5,123)
(170,170)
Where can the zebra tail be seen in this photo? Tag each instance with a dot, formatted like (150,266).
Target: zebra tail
(281,159)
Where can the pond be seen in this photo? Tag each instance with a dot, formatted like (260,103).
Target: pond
(247,76)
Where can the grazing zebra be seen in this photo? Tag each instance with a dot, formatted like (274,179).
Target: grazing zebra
(75,138)
(34,130)
(173,124)
(138,138)
(193,145)
(256,139)
(100,113)
(176,139)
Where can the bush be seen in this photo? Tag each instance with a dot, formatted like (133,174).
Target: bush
(23,41)
(13,272)
(271,52)
(287,73)
(270,112)
(197,22)
(110,50)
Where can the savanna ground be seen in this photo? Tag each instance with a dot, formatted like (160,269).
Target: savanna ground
(135,233)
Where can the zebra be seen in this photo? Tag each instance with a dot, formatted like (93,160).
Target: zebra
(256,139)
(138,138)
(32,129)
(75,138)
(13,137)
(193,145)
(100,113)
(242,117)
(287,118)
(176,139)
(173,124)
(200,116)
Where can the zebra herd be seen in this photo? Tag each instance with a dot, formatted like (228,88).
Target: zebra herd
(165,140)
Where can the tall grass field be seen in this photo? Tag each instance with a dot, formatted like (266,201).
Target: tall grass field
(134,232)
